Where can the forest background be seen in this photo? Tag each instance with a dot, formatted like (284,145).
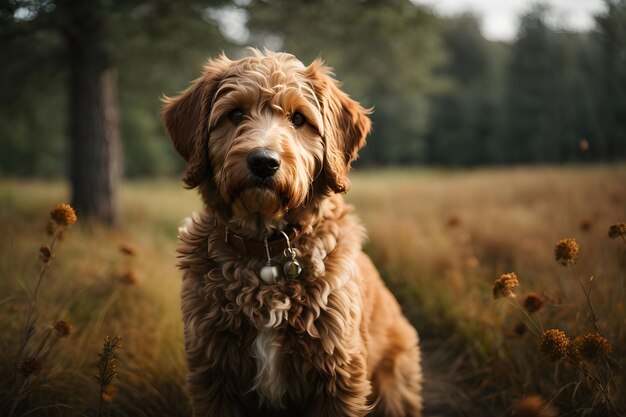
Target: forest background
(442,93)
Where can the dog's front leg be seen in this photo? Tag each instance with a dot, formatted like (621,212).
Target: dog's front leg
(345,393)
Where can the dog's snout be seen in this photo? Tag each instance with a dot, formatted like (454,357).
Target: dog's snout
(263,162)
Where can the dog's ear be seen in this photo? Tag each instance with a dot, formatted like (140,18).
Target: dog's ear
(345,129)
(186,117)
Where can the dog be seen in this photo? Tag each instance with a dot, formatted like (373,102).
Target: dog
(284,315)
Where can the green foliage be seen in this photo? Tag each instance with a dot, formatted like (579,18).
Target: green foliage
(611,36)
(466,118)
(385,52)
(441,93)
(157,47)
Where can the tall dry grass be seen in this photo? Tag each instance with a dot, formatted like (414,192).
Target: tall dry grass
(442,238)
(102,290)
(439,238)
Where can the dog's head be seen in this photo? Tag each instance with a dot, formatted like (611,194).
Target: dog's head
(265,134)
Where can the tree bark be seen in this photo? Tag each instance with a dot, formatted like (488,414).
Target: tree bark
(95,151)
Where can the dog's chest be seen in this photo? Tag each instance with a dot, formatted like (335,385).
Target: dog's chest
(269,382)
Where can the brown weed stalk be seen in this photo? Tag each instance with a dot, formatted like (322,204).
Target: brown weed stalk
(107,371)
(590,353)
(61,216)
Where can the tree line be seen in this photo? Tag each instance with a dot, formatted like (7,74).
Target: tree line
(442,93)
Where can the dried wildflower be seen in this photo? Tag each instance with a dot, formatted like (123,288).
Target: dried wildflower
(127,249)
(129,278)
(107,361)
(566,251)
(617,229)
(520,329)
(45,253)
(554,343)
(453,220)
(533,302)
(534,406)
(108,393)
(573,353)
(503,286)
(63,215)
(592,347)
(62,328)
(31,366)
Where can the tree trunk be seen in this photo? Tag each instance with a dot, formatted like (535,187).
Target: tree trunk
(95,153)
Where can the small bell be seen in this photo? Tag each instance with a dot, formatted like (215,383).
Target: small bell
(291,267)
(269,273)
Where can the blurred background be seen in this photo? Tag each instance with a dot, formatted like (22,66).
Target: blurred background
(453,83)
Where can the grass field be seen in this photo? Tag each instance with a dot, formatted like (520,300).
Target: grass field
(439,238)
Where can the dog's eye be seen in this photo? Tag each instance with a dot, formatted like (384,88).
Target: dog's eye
(298,119)
(236,116)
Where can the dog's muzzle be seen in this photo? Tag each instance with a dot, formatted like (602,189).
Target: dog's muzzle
(263,163)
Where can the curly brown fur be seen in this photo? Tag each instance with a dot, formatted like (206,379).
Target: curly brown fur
(332,342)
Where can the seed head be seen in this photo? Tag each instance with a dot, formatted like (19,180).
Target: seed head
(31,366)
(129,278)
(127,249)
(617,229)
(453,220)
(520,329)
(45,253)
(566,251)
(533,302)
(62,328)
(503,286)
(554,343)
(108,393)
(592,347)
(534,406)
(107,362)
(63,215)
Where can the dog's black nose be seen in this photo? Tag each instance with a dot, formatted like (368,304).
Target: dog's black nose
(263,162)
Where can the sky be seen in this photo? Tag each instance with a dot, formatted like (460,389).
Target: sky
(500,17)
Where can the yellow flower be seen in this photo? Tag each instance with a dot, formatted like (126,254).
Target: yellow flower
(503,286)
(63,215)
(62,328)
(592,346)
(554,343)
(566,251)
(617,229)
(533,302)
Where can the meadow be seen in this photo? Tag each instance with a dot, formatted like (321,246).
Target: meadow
(440,239)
